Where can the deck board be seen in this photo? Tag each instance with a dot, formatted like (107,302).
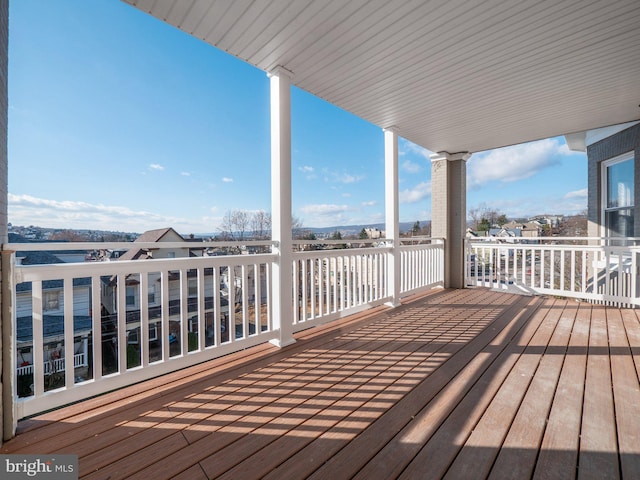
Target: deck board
(456,383)
(598,433)
(517,457)
(626,393)
(558,456)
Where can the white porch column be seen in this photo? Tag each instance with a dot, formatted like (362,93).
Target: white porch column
(392,226)
(449,211)
(282,301)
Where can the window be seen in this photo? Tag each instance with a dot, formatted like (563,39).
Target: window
(618,196)
(51,301)
(131,296)
(153,332)
(152,295)
(193,288)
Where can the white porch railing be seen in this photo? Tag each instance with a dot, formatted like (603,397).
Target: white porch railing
(136,319)
(334,283)
(421,264)
(594,269)
(143,319)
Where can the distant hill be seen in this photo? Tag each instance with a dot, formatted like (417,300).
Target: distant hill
(351,230)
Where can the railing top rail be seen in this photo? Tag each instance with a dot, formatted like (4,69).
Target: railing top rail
(337,252)
(420,238)
(552,239)
(80,269)
(71,246)
(344,241)
(359,241)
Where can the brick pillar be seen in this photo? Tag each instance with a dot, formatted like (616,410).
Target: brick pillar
(449,211)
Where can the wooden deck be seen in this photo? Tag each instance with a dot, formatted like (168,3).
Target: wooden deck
(460,384)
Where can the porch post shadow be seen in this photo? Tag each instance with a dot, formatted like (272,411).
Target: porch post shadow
(282,306)
(449,211)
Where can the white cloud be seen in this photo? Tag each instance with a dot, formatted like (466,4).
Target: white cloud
(577,194)
(324,215)
(405,147)
(411,167)
(347,178)
(156,166)
(517,162)
(29,210)
(185,174)
(308,171)
(323,209)
(370,203)
(227,179)
(415,194)
(341,177)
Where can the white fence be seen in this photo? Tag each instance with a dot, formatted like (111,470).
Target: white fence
(421,265)
(593,269)
(126,321)
(52,366)
(333,283)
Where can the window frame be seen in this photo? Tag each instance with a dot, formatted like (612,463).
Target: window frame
(604,187)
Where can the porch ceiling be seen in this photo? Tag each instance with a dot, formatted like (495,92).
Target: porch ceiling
(452,75)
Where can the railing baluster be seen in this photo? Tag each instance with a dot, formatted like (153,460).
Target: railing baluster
(144,319)
(96,326)
(69,371)
(201,295)
(121,347)
(164,287)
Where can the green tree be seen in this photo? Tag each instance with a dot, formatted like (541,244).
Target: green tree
(484,225)
(363,234)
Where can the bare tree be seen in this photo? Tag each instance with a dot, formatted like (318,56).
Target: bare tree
(234,224)
(297,229)
(261,225)
(483,216)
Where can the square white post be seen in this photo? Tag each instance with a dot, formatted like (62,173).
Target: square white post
(392,210)
(282,300)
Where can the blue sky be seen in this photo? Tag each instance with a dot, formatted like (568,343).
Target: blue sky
(118,121)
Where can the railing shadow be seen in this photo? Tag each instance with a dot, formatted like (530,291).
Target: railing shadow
(364,396)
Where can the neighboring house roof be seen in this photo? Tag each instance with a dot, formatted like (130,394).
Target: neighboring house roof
(157,235)
(38,258)
(149,236)
(505,232)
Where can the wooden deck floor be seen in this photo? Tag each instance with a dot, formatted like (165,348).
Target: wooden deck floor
(461,384)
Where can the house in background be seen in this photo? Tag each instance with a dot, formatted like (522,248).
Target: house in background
(231,285)
(525,230)
(52,332)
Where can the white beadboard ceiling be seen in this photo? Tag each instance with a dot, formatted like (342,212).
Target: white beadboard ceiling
(451,75)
